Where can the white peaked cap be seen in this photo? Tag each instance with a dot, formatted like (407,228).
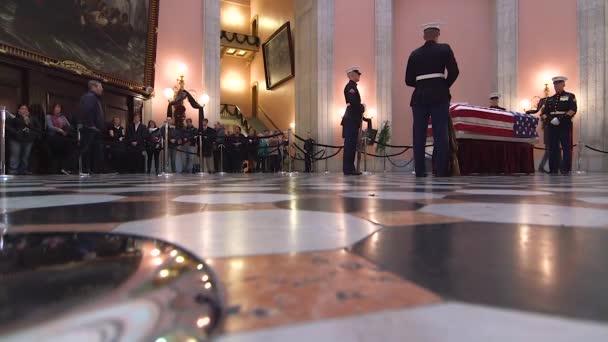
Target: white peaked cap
(495,95)
(559,79)
(353,69)
(434,25)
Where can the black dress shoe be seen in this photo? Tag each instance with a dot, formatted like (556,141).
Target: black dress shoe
(354,173)
(421,175)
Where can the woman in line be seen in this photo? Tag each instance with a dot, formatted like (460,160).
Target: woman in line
(61,140)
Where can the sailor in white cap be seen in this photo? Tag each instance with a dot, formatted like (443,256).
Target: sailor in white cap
(494,101)
(426,71)
(559,110)
(351,122)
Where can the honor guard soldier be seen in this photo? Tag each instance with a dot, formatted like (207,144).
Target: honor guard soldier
(558,111)
(351,122)
(425,72)
(494,101)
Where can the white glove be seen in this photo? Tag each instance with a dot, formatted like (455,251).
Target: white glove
(555,121)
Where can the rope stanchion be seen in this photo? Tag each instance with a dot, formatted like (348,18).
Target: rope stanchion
(166,161)
(3,175)
(201,160)
(222,147)
(81,174)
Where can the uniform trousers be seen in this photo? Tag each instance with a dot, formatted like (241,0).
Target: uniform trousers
(560,135)
(441,152)
(350,133)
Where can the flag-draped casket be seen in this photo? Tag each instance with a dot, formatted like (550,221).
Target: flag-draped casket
(492,141)
(491,124)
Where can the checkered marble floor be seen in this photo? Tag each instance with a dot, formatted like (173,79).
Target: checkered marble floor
(386,257)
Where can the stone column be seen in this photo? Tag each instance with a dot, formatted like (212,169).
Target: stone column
(507,53)
(592,101)
(314,54)
(384,61)
(211,61)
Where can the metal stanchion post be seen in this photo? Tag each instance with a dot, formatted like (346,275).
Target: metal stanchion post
(222,173)
(3,175)
(326,167)
(80,173)
(365,142)
(166,152)
(384,160)
(200,156)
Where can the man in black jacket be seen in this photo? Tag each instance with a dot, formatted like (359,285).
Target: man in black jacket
(92,119)
(136,142)
(426,72)
(351,122)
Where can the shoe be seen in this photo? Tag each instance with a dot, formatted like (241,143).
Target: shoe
(423,175)
(354,173)
(65,172)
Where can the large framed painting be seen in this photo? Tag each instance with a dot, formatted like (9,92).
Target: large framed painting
(278,57)
(112,40)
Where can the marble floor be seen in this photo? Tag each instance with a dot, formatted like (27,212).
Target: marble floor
(386,257)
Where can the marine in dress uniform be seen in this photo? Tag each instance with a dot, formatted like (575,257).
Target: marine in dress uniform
(351,122)
(494,101)
(425,72)
(558,111)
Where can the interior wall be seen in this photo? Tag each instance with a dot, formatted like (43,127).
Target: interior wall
(278,103)
(235,83)
(180,42)
(354,45)
(468,26)
(538,60)
(235,16)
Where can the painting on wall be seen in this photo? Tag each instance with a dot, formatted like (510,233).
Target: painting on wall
(278,57)
(113,40)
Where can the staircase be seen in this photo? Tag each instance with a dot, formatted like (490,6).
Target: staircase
(232,115)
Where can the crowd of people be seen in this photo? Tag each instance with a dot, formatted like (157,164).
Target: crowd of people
(138,147)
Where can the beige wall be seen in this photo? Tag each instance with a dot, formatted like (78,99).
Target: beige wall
(354,45)
(235,16)
(235,83)
(468,28)
(548,46)
(180,41)
(279,103)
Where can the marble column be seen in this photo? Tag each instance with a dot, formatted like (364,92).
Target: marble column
(592,101)
(211,59)
(384,60)
(507,53)
(314,55)
(384,67)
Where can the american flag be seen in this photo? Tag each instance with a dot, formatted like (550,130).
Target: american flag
(492,122)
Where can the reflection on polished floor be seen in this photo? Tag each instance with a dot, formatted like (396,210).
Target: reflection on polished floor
(323,257)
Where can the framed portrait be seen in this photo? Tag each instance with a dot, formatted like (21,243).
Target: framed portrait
(278,57)
(111,40)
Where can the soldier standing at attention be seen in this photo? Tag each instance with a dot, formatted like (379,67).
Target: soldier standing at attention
(426,69)
(351,122)
(494,101)
(559,110)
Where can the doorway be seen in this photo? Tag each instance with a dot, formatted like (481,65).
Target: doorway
(254,100)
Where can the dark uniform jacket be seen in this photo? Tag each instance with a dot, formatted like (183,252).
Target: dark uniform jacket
(559,104)
(498,107)
(354,109)
(91,111)
(431,58)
